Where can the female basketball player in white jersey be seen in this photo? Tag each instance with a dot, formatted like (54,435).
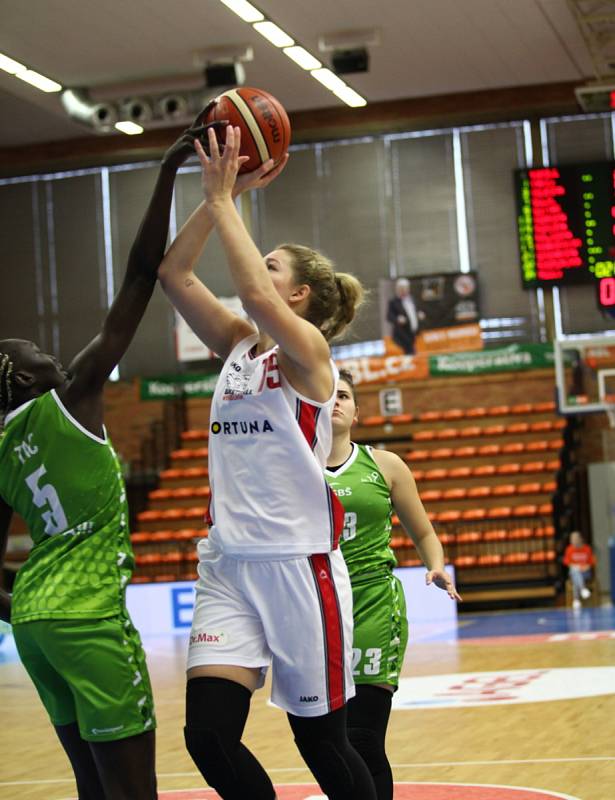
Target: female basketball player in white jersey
(58,470)
(370,484)
(273,587)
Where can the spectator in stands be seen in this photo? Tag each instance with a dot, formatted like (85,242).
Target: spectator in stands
(579,558)
(404,316)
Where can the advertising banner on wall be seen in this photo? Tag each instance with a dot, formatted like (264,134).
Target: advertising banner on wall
(435,313)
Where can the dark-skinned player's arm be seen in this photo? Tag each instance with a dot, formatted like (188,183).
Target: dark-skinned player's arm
(6,512)
(82,394)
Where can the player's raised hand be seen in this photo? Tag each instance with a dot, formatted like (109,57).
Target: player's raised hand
(260,177)
(184,146)
(443,581)
(220,169)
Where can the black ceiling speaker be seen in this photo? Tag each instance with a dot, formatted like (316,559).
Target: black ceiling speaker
(347,61)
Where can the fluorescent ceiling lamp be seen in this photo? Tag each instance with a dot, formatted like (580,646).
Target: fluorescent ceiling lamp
(336,85)
(39,81)
(350,97)
(11,66)
(301,56)
(245,10)
(131,128)
(274,34)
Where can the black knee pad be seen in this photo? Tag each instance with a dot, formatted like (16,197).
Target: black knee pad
(328,765)
(209,754)
(370,746)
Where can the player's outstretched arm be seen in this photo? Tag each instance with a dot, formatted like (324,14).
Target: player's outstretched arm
(301,341)
(212,322)
(412,515)
(6,512)
(93,365)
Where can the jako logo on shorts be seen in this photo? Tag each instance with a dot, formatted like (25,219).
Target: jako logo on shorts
(242,427)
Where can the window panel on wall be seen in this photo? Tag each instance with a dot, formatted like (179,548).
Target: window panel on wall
(425,206)
(352,220)
(489,157)
(75,261)
(152,351)
(287,210)
(21,302)
(570,141)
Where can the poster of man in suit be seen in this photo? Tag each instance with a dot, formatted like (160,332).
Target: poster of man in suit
(431,313)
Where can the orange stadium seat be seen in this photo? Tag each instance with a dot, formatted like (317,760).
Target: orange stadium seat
(522,408)
(539,446)
(140,538)
(504,489)
(411,562)
(436,474)
(489,560)
(465,561)
(459,472)
(473,514)
(513,447)
(498,411)
(499,512)
(483,470)
(424,436)
(558,424)
(533,466)
(376,419)
(430,416)
(494,430)
(191,435)
(545,508)
(489,450)
(476,413)
(515,558)
(441,452)
(457,493)
(470,431)
(418,474)
(525,510)
(542,408)
(469,537)
(417,455)
(467,451)
(512,468)
(400,419)
(532,487)
(496,535)
(431,495)
(541,426)
(479,491)
(518,427)
(555,444)
(447,433)
(453,413)
(448,516)
(447,538)
(520,534)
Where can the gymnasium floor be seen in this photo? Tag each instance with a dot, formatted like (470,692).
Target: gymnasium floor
(519,700)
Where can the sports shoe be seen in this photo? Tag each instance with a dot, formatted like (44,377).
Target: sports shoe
(576,605)
(585,593)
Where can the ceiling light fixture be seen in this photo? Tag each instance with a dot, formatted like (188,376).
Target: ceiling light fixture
(131,128)
(22,72)
(245,10)
(302,57)
(274,34)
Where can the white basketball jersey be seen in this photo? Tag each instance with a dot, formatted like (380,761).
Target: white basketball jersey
(268,446)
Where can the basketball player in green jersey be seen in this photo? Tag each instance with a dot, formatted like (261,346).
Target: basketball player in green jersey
(59,471)
(370,484)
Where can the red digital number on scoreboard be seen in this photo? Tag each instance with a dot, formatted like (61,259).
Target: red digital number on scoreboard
(606,292)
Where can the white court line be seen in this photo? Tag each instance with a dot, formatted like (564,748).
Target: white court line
(417,765)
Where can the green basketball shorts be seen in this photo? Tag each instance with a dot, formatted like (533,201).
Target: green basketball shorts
(89,671)
(380,630)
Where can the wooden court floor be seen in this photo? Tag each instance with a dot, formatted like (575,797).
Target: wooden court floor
(565,746)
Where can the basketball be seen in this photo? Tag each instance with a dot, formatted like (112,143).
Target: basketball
(264,124)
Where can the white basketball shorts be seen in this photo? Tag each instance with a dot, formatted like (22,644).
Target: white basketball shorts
(295,615)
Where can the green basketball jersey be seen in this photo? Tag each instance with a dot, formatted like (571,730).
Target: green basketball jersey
(67,485)
(365,495)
